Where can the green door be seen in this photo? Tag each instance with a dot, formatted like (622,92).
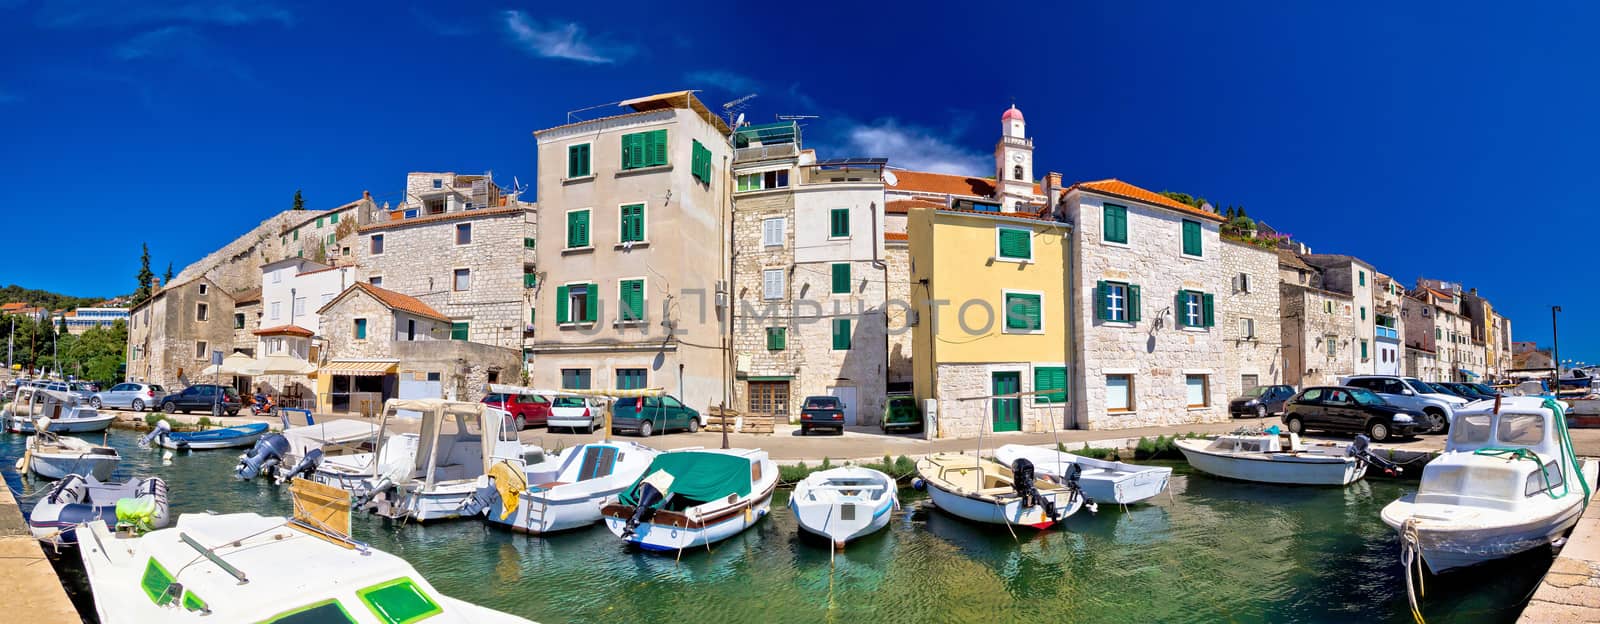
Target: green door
(1007,412)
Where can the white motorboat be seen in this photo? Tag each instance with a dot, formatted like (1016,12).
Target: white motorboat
(432,474)
(67,413)
(565,491)
(842,504)
(1507,482)
(210,439)
(1102,481)
(77,500)
(245,567)
(981,490)
(54,457)
(693,498)
(1263,458)
(277,454)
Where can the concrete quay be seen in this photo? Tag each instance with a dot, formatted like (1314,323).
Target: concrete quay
(34,588)
(1570,591)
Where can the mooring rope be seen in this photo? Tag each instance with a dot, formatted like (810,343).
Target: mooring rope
(1411,553)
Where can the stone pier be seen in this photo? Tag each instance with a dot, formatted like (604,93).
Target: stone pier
(1570,591)
(35,592)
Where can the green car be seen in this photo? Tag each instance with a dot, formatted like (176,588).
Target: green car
(901,414)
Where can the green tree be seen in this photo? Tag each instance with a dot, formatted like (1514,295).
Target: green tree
(299,202)
(1184,198)
(145,277)
(166,279)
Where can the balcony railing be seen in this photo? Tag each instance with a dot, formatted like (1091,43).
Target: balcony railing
(764,152)
(1387,332)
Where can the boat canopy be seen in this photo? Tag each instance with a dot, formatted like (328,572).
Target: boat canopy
(697,476)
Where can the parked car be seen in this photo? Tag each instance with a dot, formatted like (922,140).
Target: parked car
(527,409)
(1349,410)
(901,413)
(648,415)
(1486,390)
(1261,401)
(822,412)
(134,396)
(84,390)
(1437,408)
(202,398)
(1461,390)
(574,412)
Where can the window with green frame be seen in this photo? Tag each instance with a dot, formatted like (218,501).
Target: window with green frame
(1117,302)
(577,229)
(577,303)
(632,223)
(578,161)
(839,223)
(325,612)
(841,278)
(1047,378)
(1114,224)
(400,601)
(1361,278)
(1191,238)
(631,294)
(361,329)
(333,218)
(459,330)
(529,278)
(157,581)
(777,338)
(1024,311)
(1363,350)
(529,242)
(1015,244)
(1195,309)
(644,149)
(319,222)
(841,334)
(700,162)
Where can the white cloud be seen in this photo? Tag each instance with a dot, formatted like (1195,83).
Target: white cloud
(728,81)
(560,40)
(119,13)
(915,148)
(181,45)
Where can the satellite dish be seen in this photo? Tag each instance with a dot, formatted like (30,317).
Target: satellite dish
(739,122)
(888,178)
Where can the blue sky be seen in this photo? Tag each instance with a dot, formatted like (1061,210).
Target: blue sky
(1447,139)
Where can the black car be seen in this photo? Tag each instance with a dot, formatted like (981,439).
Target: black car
(1349,410)
(202,398)
(1461,390)
(825,412)
(1261,401)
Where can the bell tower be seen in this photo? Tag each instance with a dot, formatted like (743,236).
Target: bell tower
(1013,162)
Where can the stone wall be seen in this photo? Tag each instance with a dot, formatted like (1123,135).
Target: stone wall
(1307,325)
(755,313)
(169,341)
(862,365)
(237,265)
(1255,298)
(245,337)
(964,419)
(465,368)
(897,254)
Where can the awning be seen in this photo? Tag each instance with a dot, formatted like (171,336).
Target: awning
(234,364)
(360,368)
(1469,373)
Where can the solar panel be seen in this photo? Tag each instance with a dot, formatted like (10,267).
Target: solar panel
(843,162)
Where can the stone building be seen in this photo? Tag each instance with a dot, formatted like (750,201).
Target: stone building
(809,277)
(1356,279)
(172,335)
(324,237)
(1459,358)
(1422,345)
(1319,325)
(1251,323)
(461,245)
(632,282)
(1490,332)
(246,320)
(1148,270)
(236,266)
(1422,363)
(1388,326)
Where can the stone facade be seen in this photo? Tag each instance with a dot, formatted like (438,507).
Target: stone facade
(1356,279)
(959,418)
(1318,327)
(897,310)
(169,339)
(1250,317)
(1389,326)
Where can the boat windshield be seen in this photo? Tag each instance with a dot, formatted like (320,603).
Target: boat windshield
(1256,392)
(1364,396)
(1470,430)
(1520,429)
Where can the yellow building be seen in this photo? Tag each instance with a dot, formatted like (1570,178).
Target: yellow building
(992,318)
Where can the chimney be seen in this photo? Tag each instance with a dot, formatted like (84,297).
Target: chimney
(1051,189)
(367,195)
(155,283)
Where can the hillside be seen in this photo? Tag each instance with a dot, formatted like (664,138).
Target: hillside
(44,298)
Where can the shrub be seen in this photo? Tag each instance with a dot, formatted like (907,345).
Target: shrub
(204,422)
(152,418)
(1096,453)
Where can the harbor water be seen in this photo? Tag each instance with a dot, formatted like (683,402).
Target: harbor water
(1212,551)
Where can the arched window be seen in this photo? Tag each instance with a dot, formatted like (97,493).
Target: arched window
(1016,172)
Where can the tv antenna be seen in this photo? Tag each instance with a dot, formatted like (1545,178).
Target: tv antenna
(735,110)
(796,117)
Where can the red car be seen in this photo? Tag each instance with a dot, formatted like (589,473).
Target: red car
(528,409)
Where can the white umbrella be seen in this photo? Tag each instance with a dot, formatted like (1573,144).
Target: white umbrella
(234,364)
(280,365)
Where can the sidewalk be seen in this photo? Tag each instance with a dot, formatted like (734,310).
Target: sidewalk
(1570,591)
(35,592)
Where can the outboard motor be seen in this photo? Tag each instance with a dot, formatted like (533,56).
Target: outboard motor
(162,428)
(1022,482)
(1361,449)
(649,496)
(264,457)
(304,467)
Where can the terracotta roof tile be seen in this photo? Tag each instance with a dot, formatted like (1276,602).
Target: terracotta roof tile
(284,330)
(403,303)
(1113,186)
(1014,215)
(944,184)
(896,236)
(904,206)
(13,307)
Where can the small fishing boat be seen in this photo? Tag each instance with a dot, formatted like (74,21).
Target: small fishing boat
(66,412)
(77,500)
(276,453)
(54,457)
(1504,485)
(693,498)
(842,504)
(245,567)
(1102,481)
(226,437)
(565,491)
(984,491)
(1261,456)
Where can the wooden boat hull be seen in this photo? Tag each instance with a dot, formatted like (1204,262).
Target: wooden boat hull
(672,532)
(1279,468)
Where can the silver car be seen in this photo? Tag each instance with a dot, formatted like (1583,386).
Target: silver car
(1438,409)
(135,396)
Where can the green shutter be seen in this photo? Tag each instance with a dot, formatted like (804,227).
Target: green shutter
(658,148)
(459,330)
(530,280)
(841,278)
(1363,313)
(633,223)
(1022,312)
(592,310)
(1114,225)
(1363,349)
(361,329)
(839,223)
(777,338)
(578,161)
(319,222)
(527,243)
(841,334)
(1050,378)
(631,295)
(1191,238)
(562,293)
(1016,244)
(1208,310)
(334,218)
(630,149)
(1135,310)
(701,167)
(1180,304)
(578,228)
(1102,310)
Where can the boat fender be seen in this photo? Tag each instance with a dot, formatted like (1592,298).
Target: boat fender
(649,497)
(162,428)
(304,467)
(918,484)
(265,456)
(1022,483)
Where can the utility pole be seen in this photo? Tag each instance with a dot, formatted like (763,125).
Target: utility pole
(727,339)
(11,339)
(1555,351)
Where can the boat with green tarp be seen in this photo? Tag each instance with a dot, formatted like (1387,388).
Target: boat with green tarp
(693,498)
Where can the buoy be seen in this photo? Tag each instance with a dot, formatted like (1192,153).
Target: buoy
(918,484)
